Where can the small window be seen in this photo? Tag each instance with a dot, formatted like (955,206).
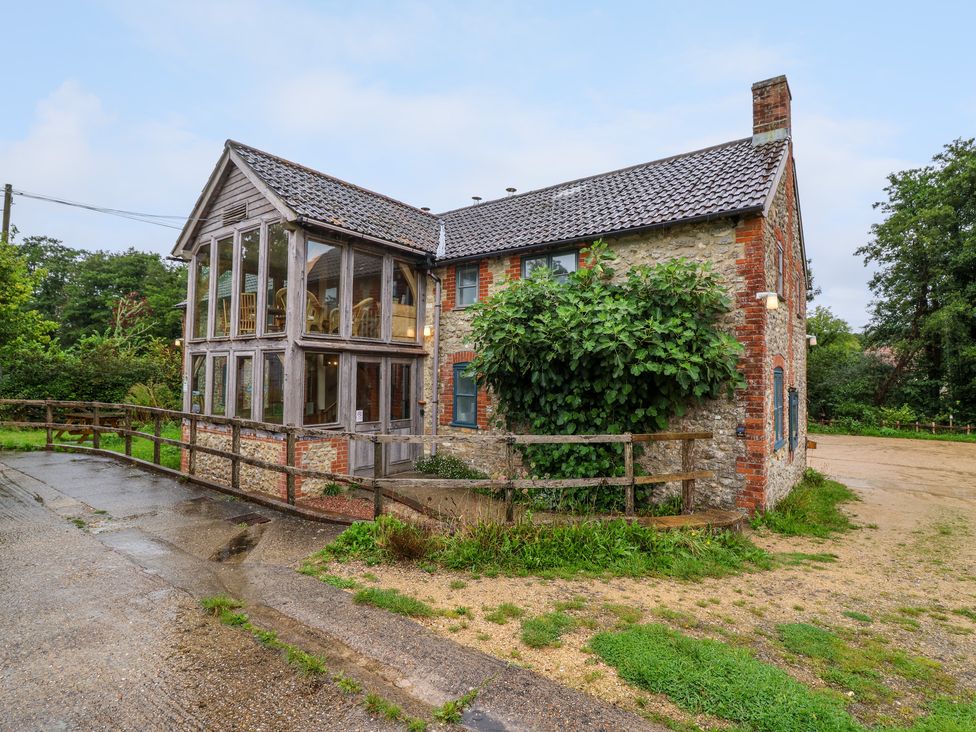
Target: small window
(244,382)
(404,302)
(778,408)
(321,388)
(218,392)
(323,267)
(367,295)
(276,285)
(274,388)
(400,392)
(561,264)
(225,285)
(367,391)
(780,279)
(465,397)
(247,311)
(198,383)
(201,300)
(467,284)
(794,420)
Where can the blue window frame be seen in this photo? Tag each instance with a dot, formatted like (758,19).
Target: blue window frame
(467,284)
(794,420)
(778,407)
(465,398)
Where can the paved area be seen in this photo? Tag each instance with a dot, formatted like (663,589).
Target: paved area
(99,626)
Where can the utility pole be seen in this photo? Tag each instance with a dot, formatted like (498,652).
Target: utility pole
(8,196)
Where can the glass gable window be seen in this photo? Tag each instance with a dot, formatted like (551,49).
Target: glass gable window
(467,284)
(276,310)
(244,383)
(323,264)
(400,400)
(404,302)
(367,295)
(561,264)
(198,383)
(201,304)
(321,388)
(218,396)
(225,285)
(274,388)
(465,397)
(778,408)
(248,308)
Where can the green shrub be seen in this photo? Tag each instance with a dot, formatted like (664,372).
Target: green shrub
(447,466)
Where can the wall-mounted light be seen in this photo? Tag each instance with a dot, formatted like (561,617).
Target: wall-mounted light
(811,339)
(771,298)
(178,342)
(428,332)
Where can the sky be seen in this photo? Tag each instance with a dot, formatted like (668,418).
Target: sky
(127,105)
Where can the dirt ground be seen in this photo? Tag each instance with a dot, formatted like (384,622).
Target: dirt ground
(908,566)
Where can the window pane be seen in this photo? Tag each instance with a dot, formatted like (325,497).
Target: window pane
(532,263)
(465,396)
(404,302)
(562,265)
(202,284)
(322,268)
(218,399)
(250,253)
(367,392)
(274,387)
(277,286)
(467,279)
(367,288)
(245,374)
(400,400)
(321,388)
(198,383)
(225,283)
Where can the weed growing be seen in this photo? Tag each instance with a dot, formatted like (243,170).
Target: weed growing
(546,630)
(394,601)
(615,548)
(503,613)
(810,509)
(450,712)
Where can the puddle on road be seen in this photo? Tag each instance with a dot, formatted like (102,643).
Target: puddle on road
(238,545)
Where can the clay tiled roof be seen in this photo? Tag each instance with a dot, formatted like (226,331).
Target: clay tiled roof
(723,180)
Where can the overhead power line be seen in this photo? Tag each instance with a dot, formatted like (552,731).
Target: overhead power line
(146,218)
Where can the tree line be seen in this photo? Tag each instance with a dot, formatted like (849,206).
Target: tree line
(83,325)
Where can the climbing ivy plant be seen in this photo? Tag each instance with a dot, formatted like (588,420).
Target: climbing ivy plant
(602,354)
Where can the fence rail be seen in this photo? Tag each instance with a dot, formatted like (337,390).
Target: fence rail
(96,418)
(917,426)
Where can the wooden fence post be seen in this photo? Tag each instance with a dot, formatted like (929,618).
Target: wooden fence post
(96,433)
(377,474)
(128,431)
(157,432)
(510,474)
(290,462)
(933,428)
(49,417)
(916,425)
(629,474)
(687,486)
(192,467)
(235,461)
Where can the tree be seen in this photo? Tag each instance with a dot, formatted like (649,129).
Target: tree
(603,355)
(52,265)
(20,326)
(925,287)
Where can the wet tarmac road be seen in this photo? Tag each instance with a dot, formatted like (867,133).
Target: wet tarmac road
(99,627)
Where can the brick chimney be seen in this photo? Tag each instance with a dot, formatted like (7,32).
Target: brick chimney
(770,110)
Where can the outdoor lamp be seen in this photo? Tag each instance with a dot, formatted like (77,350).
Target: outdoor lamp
(811,339)
(771,298)
(427,331)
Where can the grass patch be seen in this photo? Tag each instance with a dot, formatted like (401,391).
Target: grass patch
(615,548)
(503,613)
(216,604)
(869,431)
(708,677)
(375,704)
(458,584)
(796,559)
(626,615)
(676,617)
(810,509)
(966,613)
(450,712)
(855,615)
(347,685)
(545,631)
(142,448)
(394,601)
(343,583)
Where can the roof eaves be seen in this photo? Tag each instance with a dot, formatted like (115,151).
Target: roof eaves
(309,221)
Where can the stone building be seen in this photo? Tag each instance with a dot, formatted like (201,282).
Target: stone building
(315,302)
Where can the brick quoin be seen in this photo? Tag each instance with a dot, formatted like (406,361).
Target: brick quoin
(751,333)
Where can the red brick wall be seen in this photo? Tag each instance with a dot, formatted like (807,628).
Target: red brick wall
(449,284)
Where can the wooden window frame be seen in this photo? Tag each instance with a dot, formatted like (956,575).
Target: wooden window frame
(793,399)
(211,380)
(232,385)
(457,369)
(476,266)
(306,352)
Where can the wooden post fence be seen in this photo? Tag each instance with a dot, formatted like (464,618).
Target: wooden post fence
(157,432)
(629,474)
(687,485)
(377,475)
(128,432)
(235,460)
(192,452)
(49,432)
(290,462)
(96,432)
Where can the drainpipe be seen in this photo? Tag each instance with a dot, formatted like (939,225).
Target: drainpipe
(435,360)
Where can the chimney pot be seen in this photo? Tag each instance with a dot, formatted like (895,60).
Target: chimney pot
(425,208)
(771,110)
(510,190)
(476,199)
